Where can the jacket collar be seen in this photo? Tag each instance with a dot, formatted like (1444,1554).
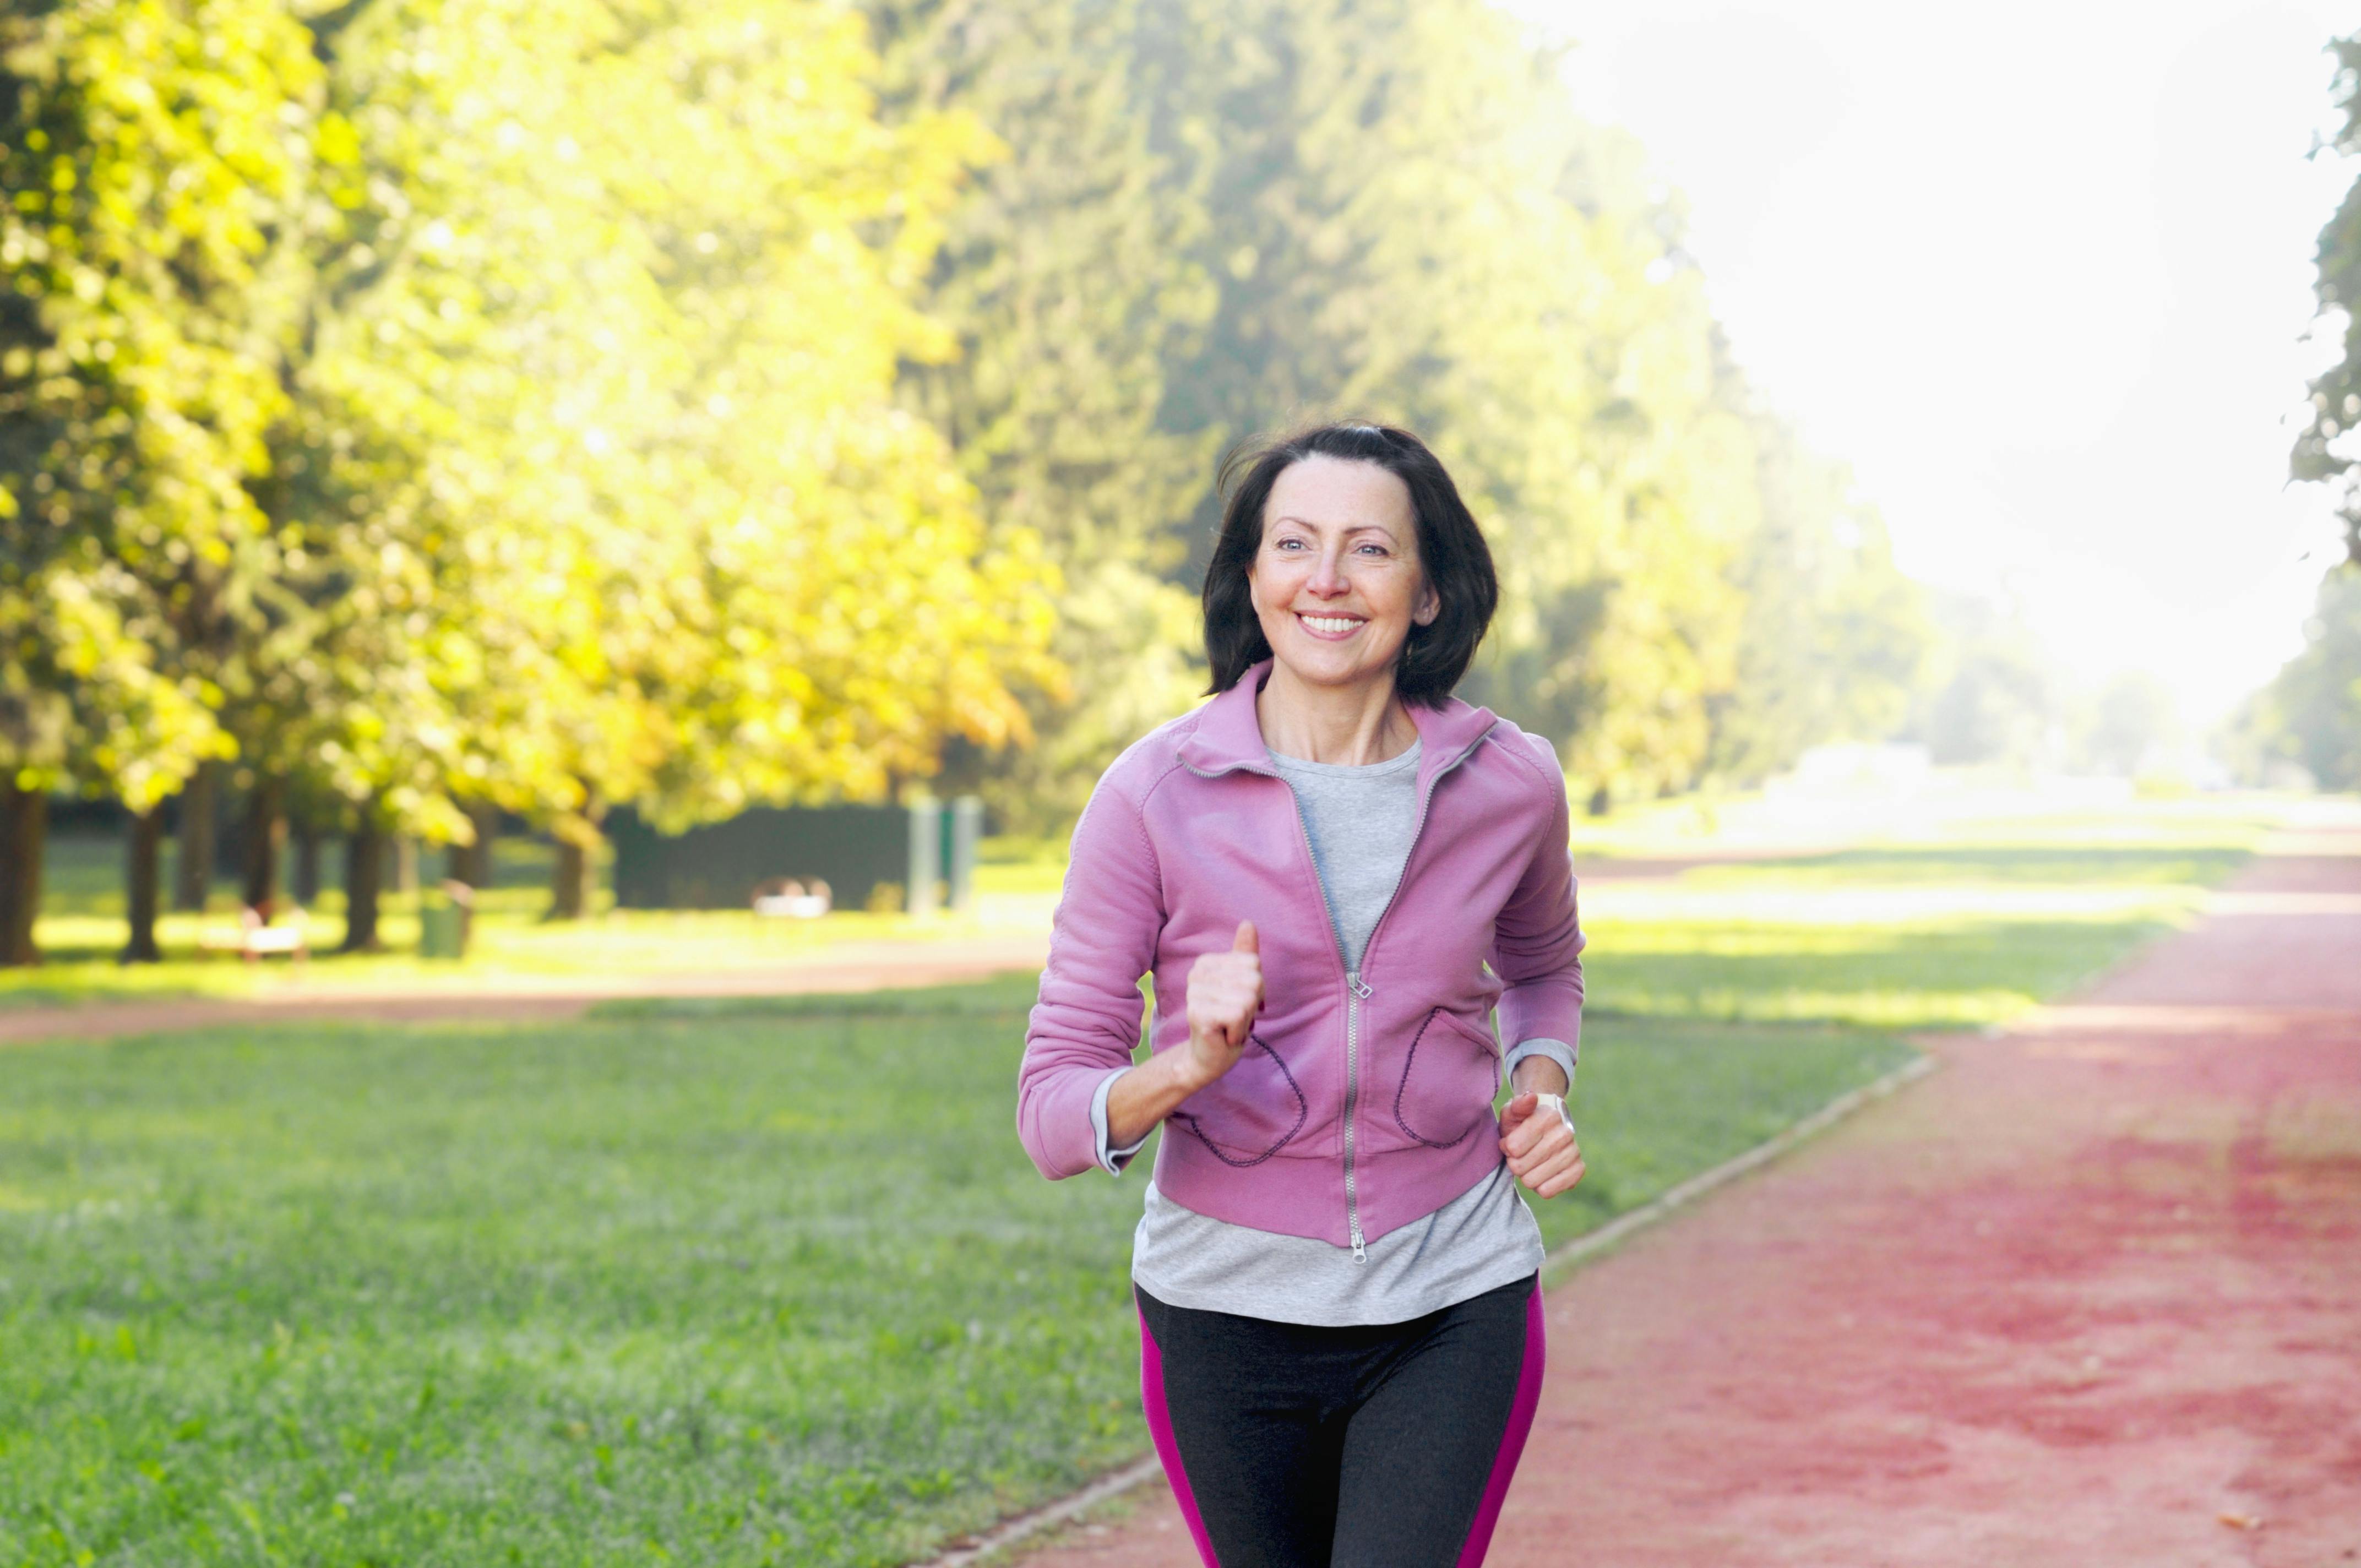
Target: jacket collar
(1229,734)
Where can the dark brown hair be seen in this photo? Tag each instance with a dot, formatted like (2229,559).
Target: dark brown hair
(1451,551)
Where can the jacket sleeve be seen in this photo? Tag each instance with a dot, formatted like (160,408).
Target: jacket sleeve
(1085,1022)
(1537,942)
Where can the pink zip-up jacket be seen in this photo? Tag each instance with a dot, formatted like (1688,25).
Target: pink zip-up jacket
(1362,1101)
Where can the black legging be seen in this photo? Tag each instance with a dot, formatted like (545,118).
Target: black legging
(1385,1447)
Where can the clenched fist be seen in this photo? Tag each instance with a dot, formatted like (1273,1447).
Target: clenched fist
(1538,1137)
(1225,995)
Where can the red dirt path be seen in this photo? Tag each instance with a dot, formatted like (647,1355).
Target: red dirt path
(2090,1296)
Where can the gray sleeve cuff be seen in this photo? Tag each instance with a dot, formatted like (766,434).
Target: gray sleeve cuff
(1112,1161)
(1557,1051)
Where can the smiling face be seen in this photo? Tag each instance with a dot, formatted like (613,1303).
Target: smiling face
(1336,583)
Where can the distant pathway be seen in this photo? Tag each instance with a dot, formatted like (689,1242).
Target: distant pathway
(847,966)
(2090,1296)
(873,965)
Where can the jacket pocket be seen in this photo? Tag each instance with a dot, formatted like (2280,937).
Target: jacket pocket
(1251,1111)
(1448,1080)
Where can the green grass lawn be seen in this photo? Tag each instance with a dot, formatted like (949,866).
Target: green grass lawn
(1972,924)
(715,1286)
(738,1282)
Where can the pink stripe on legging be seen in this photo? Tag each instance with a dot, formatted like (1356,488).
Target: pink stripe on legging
(1512,1441)
(1168,1449)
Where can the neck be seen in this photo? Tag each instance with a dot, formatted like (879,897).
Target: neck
(1352,726)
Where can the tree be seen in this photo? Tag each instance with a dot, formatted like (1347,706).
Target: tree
(2309,714)
(2312,713)
(1835,639)
(504,417)
(2127,723)
(1408,220)
(1250,212)
(1068,286)
(1992,698)
(150,151)
(555,404)
(2324,447)
(642,284)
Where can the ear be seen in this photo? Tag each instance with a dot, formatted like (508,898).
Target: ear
(1429,605)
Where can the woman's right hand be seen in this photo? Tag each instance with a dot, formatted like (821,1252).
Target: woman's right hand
(1225,995)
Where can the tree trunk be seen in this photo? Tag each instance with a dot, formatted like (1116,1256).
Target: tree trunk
(364,866)
(142,864)
(569,895)
(23,833)
(265,837)
(576,876)
(1600,801)
(306,834)
(472,863)
(193,874)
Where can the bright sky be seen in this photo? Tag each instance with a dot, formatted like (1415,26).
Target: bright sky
(2042,272)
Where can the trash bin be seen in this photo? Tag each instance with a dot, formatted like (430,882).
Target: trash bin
(443,920)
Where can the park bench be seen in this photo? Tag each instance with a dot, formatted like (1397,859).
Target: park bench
(256,937)
(793,900)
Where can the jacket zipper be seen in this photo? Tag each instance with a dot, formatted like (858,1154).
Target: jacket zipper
(1352,1099)
(1353,991)
(1357,989)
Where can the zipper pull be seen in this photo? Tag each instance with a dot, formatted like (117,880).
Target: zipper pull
(1354,984)
(1360,1253)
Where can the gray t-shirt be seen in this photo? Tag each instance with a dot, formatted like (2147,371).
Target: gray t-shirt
(1360,822)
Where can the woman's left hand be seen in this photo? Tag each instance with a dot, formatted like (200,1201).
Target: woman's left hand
(1538,1137)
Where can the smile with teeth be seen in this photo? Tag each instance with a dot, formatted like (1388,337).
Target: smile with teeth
(1330,625)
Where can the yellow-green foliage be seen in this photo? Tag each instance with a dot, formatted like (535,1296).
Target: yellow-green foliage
(688,551)
(502,407)
(1258,211)
(563,404)
(1410,218)
(151,155)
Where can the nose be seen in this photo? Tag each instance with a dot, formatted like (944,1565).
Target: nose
(1328,573)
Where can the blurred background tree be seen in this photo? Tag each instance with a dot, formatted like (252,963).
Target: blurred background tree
(2310,716)
(2323,447)
(425,411)
(1391,210)
(673,491)
(153,159)
(2132,723)
(1992,697)
(1835,640)
(504,413)
(1068,282)
(1410,223)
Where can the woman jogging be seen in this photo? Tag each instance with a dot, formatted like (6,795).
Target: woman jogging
(1334,872)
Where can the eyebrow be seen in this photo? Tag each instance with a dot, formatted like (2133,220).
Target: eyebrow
(1356,528)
